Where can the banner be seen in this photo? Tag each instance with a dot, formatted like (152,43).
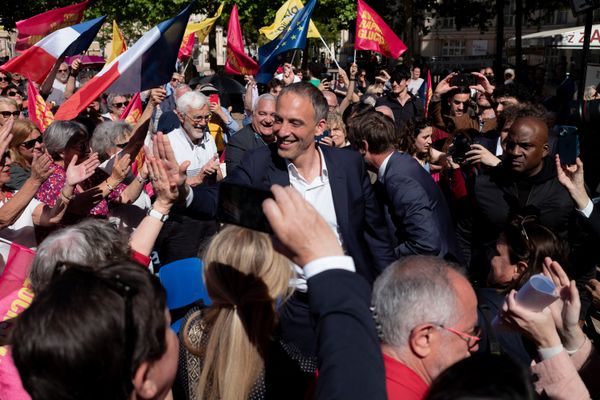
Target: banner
(149,63)
(118,43)
(294,37)
(372,33)
(40,112)
(134,110)
(202,28)
(33,29)
(238,62)
(283,17)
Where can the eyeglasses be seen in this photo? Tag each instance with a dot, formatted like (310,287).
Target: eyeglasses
(119,105)
(31,143)
(14,94)
(199,118)
(62,71)
(7,114)
(470,338)
(4,79)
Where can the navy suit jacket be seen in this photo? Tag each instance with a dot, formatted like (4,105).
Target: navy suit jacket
(359,215)
(416,212)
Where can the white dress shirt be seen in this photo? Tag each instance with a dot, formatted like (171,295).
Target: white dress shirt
(197,153)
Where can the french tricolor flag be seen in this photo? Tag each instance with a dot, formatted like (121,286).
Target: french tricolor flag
(147,64)
(38,60)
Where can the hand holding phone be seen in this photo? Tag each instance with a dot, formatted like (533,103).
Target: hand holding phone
(242,205)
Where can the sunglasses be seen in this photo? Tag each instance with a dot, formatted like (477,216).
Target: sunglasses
(119,105)
(14,94)
(7,114)
(4,79)
(31,143)
(63,70)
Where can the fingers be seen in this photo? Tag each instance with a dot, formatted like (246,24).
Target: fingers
(73,160)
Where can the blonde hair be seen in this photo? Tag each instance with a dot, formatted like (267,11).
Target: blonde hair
(21,129)
(245,277)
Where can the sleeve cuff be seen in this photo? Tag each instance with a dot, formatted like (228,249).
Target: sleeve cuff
(549,352)
(327,263)
(190,196)
(587,210)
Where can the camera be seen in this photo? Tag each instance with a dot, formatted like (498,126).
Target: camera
(461,143)
(463,80)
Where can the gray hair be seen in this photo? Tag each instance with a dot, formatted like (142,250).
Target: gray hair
(105,137)
(181,90)
(191,100)
(91,243)
(413,291)
(263,97)
(112,96)
(58,134)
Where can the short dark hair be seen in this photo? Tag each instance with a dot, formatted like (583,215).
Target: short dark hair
(515,90)
(514,112)
(308,90)
(399,74)
(85,335)
(459,90)
(273,83)
(376,129)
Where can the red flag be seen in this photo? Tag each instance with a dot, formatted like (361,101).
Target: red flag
(16,270)
(238,62)
(185,51)
(133,112)
(32,30)
(372,33)
(428,92)
(39,111)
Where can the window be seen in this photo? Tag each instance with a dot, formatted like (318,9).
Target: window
(453,48)
(562,17)
(509,13)
(448,23)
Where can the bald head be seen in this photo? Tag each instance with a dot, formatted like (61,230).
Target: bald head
(527,145)
(332,101)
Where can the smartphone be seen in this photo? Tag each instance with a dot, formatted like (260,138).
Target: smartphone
(463,80)
(242,205)
(326,133)
(214,98)
(568,144)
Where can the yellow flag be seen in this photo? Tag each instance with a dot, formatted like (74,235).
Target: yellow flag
(283,17)
(202,28)
(118,43)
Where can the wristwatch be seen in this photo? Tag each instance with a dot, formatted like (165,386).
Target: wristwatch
(158,215)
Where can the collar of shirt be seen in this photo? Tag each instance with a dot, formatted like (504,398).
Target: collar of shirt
(382,167)
(200,143)
(321,179)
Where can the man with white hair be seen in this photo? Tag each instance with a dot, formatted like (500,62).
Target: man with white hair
(192,142)
(427,311)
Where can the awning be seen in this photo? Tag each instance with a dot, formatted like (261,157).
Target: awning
(567,38)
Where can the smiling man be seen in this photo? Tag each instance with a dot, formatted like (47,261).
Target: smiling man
(258,134)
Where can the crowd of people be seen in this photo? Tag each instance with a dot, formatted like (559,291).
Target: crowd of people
(402,227)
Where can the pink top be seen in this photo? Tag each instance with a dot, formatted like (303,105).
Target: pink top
(49,192)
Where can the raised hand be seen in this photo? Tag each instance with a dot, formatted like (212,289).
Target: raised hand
(121,167)
(565,311)
(483,85)
(571,177)
(76,174)
(40,167)
(166,192)
(444,85)
(480,154)
(5,135)
(161,148)
(299,227)
(157,95)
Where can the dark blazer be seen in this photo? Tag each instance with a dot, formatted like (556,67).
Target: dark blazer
(359,217)
(349,354)
(416,212)
(245,139)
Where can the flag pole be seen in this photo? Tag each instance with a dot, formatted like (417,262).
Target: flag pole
(293,57)
(355,56)
(330,52)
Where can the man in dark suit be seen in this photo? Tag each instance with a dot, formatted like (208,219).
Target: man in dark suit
(333,180)
(416,211)
(258,134)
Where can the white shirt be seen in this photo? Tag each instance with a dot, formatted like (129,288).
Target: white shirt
(20,232)
(414,85)
(197,153)
(382,167)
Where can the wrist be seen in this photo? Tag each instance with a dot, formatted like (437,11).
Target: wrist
(548,341)
(162,206)
(572,338)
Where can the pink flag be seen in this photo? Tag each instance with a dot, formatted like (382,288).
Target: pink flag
(16,270)
(238,62)
(372,33)
(33,29)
